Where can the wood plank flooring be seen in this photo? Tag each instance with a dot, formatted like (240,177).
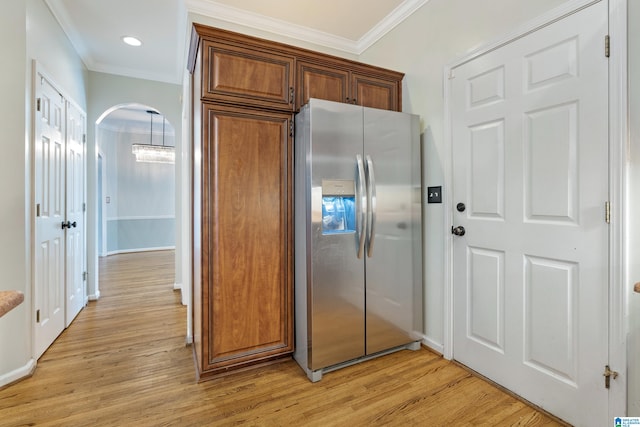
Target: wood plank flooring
(123,362)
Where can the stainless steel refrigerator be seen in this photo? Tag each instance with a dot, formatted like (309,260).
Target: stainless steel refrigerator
(358,235)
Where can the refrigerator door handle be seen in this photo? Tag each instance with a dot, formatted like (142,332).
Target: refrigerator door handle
(371,196)
(362,197)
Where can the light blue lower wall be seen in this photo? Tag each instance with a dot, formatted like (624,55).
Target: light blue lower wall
(139,234)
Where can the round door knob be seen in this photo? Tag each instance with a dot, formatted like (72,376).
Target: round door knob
(458,231)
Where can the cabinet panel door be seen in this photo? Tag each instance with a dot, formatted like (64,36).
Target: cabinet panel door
(248,168)
(317,81)
(247,76)
(375,92)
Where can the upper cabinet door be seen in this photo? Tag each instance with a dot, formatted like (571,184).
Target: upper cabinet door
(247,76)
(375,92)
(321,82)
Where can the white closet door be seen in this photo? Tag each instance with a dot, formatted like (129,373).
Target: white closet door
(49,269)
(75,212)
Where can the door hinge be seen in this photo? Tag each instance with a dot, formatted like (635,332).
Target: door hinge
(607,46)
(84,207)
(37,210)
(84,275)
(84,138)
(607,212)
(291,95)
(608,373)
(37,316)
(38,104)
(291,128)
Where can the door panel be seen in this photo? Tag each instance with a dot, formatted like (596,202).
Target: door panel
(246,208)
(375,92)
(551,172)
(530,162)
(49,292)
(551,323)
(75,190)
(486,297)
(317,81)
(247,76)
(486,176)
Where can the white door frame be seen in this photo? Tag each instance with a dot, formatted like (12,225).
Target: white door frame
(618,290)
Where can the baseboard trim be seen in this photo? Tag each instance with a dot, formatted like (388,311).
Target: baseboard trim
(134,250)
(95,297)
(431,344)
(18,374)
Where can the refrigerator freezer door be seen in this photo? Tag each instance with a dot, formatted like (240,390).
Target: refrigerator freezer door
(394,269)
(336,290)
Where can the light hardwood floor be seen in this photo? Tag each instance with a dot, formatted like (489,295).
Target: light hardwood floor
(123,362)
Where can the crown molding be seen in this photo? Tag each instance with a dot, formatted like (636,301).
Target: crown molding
(399,14)
(246,18)
(60,13)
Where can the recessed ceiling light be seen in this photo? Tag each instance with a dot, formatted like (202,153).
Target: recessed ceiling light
(131,41)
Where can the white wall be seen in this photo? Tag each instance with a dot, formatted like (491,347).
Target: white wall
(15,342)
(141,210)
(434,36)
(633,199)
(27,31)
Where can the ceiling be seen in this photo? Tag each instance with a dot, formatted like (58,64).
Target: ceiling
(95,27)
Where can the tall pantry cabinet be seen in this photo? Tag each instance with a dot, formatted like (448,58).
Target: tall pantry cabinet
(245,93)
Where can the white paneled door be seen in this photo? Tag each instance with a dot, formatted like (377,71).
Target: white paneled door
(59,195)
(75,211)
(49,278)
(529,123)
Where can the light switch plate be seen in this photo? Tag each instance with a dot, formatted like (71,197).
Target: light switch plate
(434,194)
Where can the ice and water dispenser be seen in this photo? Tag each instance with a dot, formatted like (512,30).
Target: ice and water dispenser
(338,206)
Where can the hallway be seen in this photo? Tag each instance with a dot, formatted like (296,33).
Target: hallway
(123,362)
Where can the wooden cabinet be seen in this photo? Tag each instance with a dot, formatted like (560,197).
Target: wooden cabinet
(375,92)
(247,76)
(332,83)
(246,295)
(323,82)
(245,91)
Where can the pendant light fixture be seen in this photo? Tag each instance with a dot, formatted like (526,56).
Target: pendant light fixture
(149,153)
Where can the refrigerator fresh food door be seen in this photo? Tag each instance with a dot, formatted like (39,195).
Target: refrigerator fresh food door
(393,263)
(338,197)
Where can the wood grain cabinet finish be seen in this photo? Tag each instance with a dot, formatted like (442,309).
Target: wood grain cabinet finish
(248,235)
(245,92)
(323,82)
(333,83)
(375,92)
(242,75)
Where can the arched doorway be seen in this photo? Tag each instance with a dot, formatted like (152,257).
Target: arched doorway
(135,146)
